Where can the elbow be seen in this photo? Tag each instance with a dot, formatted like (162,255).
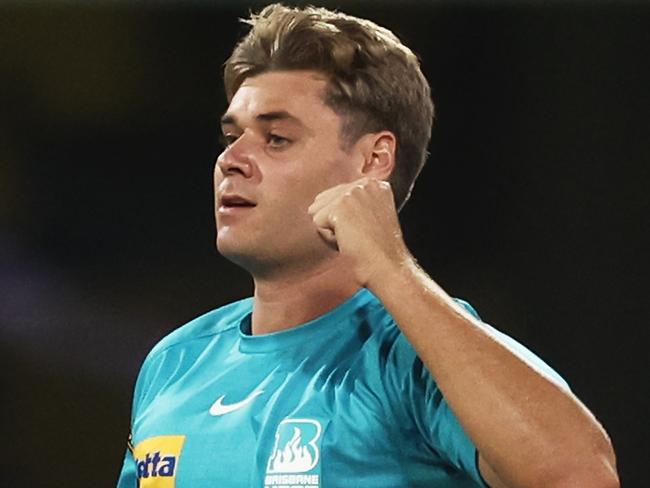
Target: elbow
(598,472)
(603,467)
(610,482)
(592,465)
(606,480)
(606,477)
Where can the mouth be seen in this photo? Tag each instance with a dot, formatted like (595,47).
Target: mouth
(231,204)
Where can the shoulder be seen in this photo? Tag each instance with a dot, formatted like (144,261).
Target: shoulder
(212,323)
(177,351)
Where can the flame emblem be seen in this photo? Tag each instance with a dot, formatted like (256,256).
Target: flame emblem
(295,448)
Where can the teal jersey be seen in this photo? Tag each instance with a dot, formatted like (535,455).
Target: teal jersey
(341,401)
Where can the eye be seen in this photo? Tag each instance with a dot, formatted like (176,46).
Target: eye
(275,141)
(227,139)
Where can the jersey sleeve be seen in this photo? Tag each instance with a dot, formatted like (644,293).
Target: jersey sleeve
(437,423)
(423,402)
(128,475)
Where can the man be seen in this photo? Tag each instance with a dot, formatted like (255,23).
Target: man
(349,366)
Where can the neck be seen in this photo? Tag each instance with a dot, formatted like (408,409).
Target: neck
(282,302)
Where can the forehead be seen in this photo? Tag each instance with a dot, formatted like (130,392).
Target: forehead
(300,93)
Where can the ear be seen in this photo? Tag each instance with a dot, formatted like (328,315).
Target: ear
(379,154)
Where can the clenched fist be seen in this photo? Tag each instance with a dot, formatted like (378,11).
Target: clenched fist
(360,220)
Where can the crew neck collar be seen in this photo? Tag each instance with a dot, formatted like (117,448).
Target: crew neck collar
(304,333)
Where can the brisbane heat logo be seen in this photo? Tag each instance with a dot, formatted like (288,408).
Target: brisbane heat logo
(295,458)
(156,460)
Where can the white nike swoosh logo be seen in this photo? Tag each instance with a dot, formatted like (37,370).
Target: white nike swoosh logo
(218,408)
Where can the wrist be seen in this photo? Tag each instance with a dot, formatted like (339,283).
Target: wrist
(390,272)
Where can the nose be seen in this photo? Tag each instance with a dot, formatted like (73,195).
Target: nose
(236,158)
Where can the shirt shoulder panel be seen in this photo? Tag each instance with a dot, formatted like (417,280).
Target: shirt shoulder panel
(209,324)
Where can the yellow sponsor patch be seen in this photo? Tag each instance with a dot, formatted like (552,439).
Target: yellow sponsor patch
(157,459)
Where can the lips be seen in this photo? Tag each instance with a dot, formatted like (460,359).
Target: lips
(234,204)
(236,201)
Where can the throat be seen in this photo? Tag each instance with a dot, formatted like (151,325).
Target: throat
(279,305)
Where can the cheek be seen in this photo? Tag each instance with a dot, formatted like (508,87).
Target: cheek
(337,172)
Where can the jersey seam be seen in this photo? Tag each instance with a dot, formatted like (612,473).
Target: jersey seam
(187,340)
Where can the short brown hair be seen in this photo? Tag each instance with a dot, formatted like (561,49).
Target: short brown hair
(375,81)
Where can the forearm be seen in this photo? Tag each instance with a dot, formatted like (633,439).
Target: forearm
(528,427)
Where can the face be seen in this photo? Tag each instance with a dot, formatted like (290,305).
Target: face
(282,149)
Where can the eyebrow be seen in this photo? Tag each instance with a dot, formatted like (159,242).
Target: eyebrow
(229,119)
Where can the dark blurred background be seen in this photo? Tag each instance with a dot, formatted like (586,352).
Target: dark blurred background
(534,205)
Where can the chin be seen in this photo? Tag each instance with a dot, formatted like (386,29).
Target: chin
(227,246)
(242,252)
(237,257)
(260,255)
